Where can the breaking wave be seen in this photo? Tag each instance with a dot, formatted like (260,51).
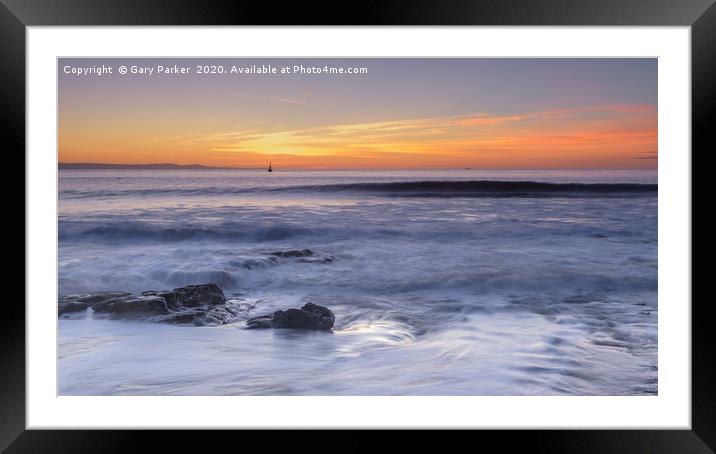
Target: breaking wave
(145,231)
(474,188)
(488,188)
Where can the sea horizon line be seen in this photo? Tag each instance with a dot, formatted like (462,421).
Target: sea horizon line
(175,166)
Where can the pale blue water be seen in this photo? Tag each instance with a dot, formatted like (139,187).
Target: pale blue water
(441,285)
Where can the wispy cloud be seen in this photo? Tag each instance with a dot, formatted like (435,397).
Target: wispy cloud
(620,127)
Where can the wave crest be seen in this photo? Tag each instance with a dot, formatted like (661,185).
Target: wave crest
(472,188)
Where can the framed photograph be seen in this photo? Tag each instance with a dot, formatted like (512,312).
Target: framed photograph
(433,216)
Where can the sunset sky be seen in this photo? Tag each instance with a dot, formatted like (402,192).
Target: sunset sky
(405,113)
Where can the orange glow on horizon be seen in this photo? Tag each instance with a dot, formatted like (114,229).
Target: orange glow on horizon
(609,136)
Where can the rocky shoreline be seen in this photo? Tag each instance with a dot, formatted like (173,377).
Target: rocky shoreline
(200,305)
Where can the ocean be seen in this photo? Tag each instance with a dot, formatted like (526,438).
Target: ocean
(461,282)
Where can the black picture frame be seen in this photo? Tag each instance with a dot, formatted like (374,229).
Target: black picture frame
(700,15)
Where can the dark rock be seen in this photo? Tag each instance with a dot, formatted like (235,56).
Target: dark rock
(301,319)
(173,300)
(132,303)
(191,296)
(152,302)
(198,295)
(310,316)
(293,253)
(78,303)
(71,306)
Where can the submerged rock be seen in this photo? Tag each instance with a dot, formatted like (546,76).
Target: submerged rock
(303,256)
(250,263)
(310,316)
(217,315)
(324,259)
(292,253)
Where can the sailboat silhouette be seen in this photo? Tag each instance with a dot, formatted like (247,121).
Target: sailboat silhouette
(269,169)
